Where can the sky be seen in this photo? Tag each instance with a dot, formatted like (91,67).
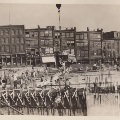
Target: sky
(80,16)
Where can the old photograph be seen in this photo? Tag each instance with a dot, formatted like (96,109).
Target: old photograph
(59,59)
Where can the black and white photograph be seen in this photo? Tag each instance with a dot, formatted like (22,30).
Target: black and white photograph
(59,59)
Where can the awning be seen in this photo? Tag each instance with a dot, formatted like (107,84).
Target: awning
(48,59)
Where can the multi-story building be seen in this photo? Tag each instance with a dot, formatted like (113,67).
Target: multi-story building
(12,45)
(46,45)
(82,51)
(68,40)
(95,45)
(89,46)
(32,48)
(111,47)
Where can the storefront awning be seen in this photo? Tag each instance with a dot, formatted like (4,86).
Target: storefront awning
(48,59)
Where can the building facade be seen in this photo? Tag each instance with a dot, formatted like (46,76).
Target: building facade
(32,48)
(46,45)
(95,45)
(82,47)
(12,45)
(111,47)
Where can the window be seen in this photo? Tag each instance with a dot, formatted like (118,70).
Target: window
(82,53)
(92,52)
(12,32)
(46,33)
(22,47)
(109,46)
(21,31)
(22,40)
(14,48)
(77,36)
(63,34)
(72,51)
(31,34)
(81,36)
(6,40)
(86,53)
(41,33)
(51,50)
(85,35)
(6,32)
(1,32)
(46,42)
(71,35)
(27,34)
(7,48)
(67,35)
(13,40)
(2,40)
(2,48)
(113,45)
(42,42)
(18,48)
(17,40)
(36,34)
(51,42)
(50,33)
(17,32)
(98,52)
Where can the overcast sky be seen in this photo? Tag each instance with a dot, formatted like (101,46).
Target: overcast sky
(72,15)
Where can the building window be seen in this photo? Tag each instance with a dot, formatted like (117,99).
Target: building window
(21,31)
(67,34)
(6,32)
(51,50)
(85,35)
(2,40)
(6,40)
(27,34)
(81,37)
(18,48)
(7,48)
(12,32)
(92,52)
(22,40)
(13,40)
(2,48)
(17,32)
(46,33)
(17,40)
(14,48)
(77,36)
(22,47)
(109,46)
(50,33)
(113,45)
(98,52)
(82,53)
(42,42)
(71,34)
(41,33)
(63,34)
(86,53)
(1,32)
(35,34)
(50,42)
(46,42)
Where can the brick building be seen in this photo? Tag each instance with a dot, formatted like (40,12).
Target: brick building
(82,51)
(12,45)
(32,48)
(111,47)
(46,45)
(95,45)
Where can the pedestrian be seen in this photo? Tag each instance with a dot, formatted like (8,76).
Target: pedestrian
(15,81)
